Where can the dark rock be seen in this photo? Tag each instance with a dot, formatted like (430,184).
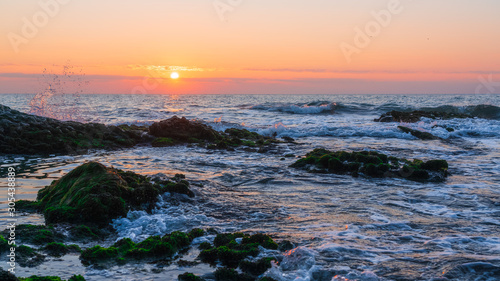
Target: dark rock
(7,276)
(415,116)
(418,134)
(125,250)
(189,277)
(29,134)
(371,164)
(181,129)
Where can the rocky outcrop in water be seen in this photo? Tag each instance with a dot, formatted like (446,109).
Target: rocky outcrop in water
(29,134)
(183,130)
(415,116)
(418,134)
(93,194)
(177,130)
(372,164)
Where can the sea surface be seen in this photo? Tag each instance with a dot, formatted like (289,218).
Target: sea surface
(357,228)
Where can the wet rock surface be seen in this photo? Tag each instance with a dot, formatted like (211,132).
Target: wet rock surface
(372,164)
(93,194)
(29,134)
(415,116)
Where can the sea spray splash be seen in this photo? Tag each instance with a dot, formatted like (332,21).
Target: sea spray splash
(60,94)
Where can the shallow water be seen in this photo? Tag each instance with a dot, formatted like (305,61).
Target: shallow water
(361,229)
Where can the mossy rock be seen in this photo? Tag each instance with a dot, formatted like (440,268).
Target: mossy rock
(4,244)
(28,257)
(51,278)
(7,276)
(27,206)
(371,164)
(35,135)
(85,233)
(162,142)
(38,234)
(189,277)
(229,274)
(416,115)
(125,250)
(59,249)
(256,268)
(93,194)
(230,253)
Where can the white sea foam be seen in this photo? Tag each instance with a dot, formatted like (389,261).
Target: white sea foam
(138,225)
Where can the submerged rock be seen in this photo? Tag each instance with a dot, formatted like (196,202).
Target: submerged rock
(94,194)
(372,164)
(29,134)
(418,134)
(415,116)
(153,248)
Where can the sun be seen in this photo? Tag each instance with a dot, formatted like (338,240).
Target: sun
(174,75)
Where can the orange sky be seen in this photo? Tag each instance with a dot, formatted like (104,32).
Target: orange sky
(257,46)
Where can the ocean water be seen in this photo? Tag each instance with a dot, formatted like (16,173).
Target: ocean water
(356,228)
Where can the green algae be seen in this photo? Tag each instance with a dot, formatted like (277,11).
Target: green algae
(258,267)
(154,247)
(162,142)
(59,249)
(189,277)
(230,253)
(93,194)
(229,274)
(372,164)
(51,278)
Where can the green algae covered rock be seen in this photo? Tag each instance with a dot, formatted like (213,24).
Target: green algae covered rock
(30,134)
(230,252)
(153,248)
(59,249)
(94,194)
(189,277)
(52,278)
(372,164)
(416,115)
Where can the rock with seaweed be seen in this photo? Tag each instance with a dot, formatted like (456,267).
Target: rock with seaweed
(7,276)
(29,134)
(151,249)
(189,277)
(93,194)
(177,130)
(36,135)
(51,278)
(372,164)
(235,250)
(183,130)
(417,115)
(418,134)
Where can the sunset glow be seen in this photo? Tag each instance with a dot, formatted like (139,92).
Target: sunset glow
(381,46)
(174,75)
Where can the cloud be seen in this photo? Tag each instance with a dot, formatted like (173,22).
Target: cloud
(320,70)
(168,68)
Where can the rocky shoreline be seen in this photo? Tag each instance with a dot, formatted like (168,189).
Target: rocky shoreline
(35,135)
(79,207)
